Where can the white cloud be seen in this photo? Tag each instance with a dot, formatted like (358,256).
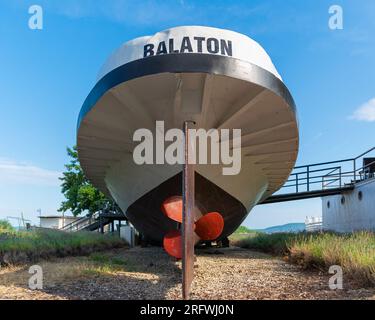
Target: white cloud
(13,172)
(365,112)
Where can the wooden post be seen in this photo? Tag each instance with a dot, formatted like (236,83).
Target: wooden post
(187,215)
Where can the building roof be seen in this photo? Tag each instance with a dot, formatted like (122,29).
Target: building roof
(57,217)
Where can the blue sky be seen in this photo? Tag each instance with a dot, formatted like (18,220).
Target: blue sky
(46,75)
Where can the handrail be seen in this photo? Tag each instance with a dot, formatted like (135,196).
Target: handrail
(67,226)
(336,161)
(87,221)
(81,221)
(71,224)
(322,163)
(329,177)
(318,170)
(363,154)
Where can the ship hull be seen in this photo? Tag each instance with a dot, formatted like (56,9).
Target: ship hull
(149,220)
(214,91)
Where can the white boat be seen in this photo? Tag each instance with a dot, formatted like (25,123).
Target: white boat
(220,79)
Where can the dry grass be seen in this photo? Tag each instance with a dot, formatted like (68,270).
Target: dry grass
(355,253)
(28,246)
(57,271)
(149,273)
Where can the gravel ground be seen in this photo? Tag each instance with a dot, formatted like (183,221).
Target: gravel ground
(148,273)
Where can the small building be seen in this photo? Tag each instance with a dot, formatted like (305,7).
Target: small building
(55,222)
(353,210)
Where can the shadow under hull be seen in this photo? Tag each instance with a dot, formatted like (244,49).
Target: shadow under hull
(145,213)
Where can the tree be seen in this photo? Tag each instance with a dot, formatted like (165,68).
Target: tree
(5,226)
(80,194)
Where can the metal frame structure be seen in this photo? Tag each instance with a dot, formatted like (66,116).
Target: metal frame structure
(321,179)
(95,221)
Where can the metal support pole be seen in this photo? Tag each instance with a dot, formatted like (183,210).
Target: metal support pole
(188,189)
(297,182)
(308,178)
(355,171)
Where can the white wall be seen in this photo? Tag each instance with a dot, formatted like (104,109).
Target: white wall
(127,233)
(51,223)
(55,222)
(354,214)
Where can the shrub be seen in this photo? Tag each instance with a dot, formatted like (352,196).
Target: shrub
(5,226)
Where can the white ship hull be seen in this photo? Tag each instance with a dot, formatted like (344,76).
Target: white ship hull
(214,90)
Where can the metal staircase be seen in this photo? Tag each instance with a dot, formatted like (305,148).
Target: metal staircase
(96,221)
(326,178)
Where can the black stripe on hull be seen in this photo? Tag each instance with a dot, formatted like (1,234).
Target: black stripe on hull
(145,213)
(186,63)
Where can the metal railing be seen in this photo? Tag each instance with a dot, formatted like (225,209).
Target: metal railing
(328,175)
(107,211)
(81,223)
(313,224)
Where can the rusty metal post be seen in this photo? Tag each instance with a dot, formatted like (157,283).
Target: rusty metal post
(188,190)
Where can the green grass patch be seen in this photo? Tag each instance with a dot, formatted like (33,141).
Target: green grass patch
(5,227)
(243,230)
(119,261)
(24,246)
(105,264)
(106,259)
(99,257)
(276,243)
(355,252)
(242,233)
